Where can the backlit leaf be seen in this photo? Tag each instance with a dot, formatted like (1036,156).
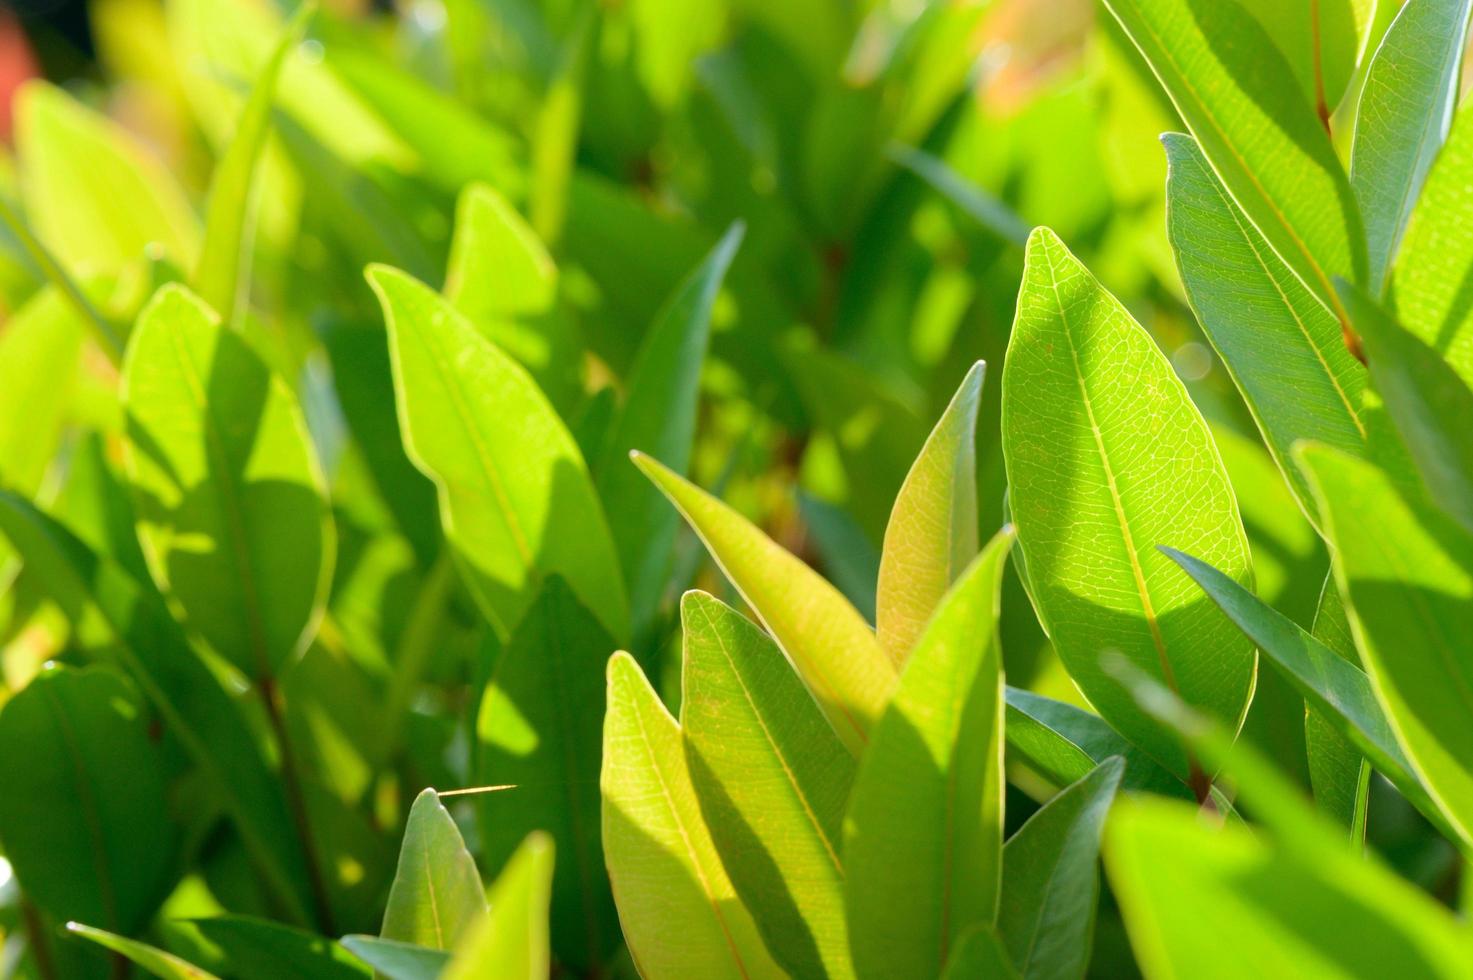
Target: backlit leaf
(680,914)
(828,642)
(925,815)
(932,534)
(437,895)
(772,778)
(227,486)
(516,499)
(1106,458)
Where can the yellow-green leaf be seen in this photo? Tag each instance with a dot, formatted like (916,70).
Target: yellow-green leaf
(829,643)
(932,534)
(680,913)
(516,499)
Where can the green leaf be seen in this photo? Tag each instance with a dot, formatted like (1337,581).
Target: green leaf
(1406,572)
(437,896)
(925,815)
(932,534)
(828,642)
(1422,394)
(97,594)
(772,778)
(161,964)
(973,201)
(1429,287)
(1106,458)
(498,266)
(1321,41)
(505,282)
(1239,97)
(659,418)
(1338,773)
(979,953)
(82,818)
(40,353)
(1338,690)
(1064,744)
(1280,344)
(1184,885)
(666,874)
(259,949)
(94,195)
(539,729)
(229,494)
(1051,879)
(1406,108)
(455,145)
(398,961)
(222,275)
(516,499)
(512,944)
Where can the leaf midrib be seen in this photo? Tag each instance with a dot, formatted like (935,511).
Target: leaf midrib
(481,453)
(1128,540)
(1248,237)
(777,752)
(695,861)
(1242,163)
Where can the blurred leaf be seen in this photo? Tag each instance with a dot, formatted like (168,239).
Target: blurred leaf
(455,146)
(1263,322)
(96,593)
(1422,394)
(925,816)
(979,953)
(512,943)
(1406,109)
(40,354)
(658,417)
(1432,286)
(258,949)
(974,202)
(82,815)
(498,266)
(850,559)
(1051,880)
(437,896)
(398,961)
(516,500)
(829,643)
(772,778)
(161,964)
(229,494)
(501,277)
(94,195)
(1406,572)
(222,274)
(932,534)
(679,911)
(1184,885)
(1107,457)
(1240,99)
(539,730)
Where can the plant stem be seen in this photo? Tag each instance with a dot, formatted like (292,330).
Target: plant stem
(297,803)
(36,935)
(107,336)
